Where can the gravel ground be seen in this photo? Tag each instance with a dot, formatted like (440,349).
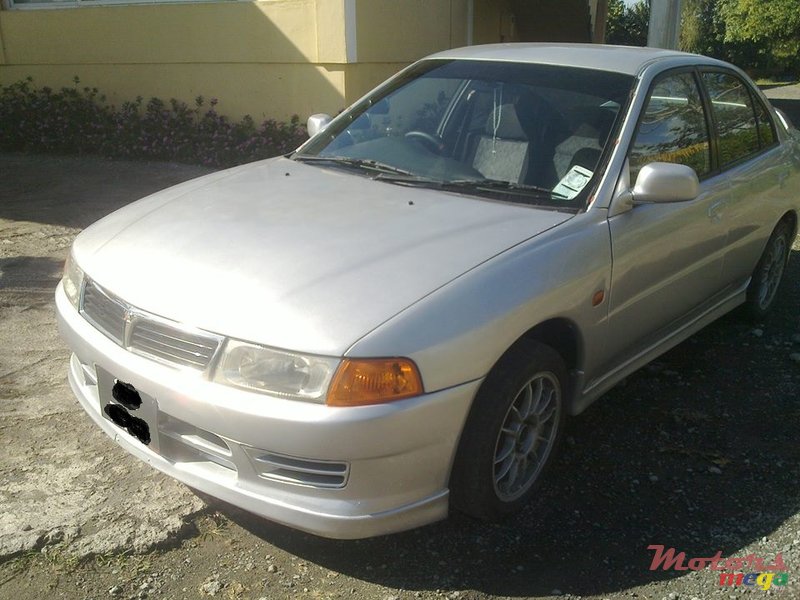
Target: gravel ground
(58,483)
(697,451)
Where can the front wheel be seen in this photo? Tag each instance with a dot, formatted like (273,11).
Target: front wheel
(511,433)
(768,273)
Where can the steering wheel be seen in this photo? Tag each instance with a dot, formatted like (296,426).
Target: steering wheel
(430,141)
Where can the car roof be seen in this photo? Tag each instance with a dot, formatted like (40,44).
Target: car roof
(630,60)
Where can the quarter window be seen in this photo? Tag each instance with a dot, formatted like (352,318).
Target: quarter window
(735,117)
(673,127)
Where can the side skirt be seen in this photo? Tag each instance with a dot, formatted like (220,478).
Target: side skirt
(599,386)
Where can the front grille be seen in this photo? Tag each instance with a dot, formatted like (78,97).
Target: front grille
(147,334)
(170,344)
(104,311)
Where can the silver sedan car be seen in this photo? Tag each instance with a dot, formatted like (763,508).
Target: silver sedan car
(398,317)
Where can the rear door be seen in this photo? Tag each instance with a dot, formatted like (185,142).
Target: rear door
(757,168)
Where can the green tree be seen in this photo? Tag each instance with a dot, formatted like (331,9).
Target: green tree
(702,28)
(772,25)
(627,26)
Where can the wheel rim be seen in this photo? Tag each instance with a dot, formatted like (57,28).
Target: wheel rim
(771,272)
(527,436)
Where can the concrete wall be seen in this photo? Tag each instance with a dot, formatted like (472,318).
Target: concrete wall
(493,22)
(266,58)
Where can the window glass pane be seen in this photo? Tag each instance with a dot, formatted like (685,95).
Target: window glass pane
(733,111)
(765,131)
(673,128)
(475,124)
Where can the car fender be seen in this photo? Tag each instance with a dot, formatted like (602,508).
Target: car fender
(458,332)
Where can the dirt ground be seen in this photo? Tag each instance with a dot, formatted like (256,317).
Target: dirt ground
(698,451)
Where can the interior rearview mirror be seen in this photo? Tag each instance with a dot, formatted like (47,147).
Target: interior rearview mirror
(317,123)
(665,182)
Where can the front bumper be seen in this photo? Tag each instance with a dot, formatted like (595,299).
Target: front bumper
(391,462)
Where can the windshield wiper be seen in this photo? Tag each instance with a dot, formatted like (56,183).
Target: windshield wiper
(495,185)
(392,174)
(358,163)
(409,178)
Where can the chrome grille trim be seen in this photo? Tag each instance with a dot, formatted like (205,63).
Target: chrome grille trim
(147,334)
(166,342)
(104,311)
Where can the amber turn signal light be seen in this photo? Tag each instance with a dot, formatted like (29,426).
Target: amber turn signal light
(359,382)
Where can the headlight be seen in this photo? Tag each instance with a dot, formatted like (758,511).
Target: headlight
(275,371)
(73,280)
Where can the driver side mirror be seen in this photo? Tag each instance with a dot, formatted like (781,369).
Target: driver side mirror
(665,182)
(317,123)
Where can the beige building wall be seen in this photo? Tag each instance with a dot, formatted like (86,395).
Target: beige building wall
(493,22)
(266,58)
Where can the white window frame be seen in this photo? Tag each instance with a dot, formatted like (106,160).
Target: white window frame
(62,4)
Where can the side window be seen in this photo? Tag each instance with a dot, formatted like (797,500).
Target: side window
(673,127)
(766,134)
(735,117)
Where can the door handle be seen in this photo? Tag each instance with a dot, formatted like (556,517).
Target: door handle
(715,210)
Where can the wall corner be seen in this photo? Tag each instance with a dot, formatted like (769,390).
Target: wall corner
(336,31)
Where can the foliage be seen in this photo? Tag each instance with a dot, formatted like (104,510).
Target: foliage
(773,25)
(628,25)
(702,27)
(762,36)
(76,120)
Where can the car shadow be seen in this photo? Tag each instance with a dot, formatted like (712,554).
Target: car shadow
(697,451)
(30,273)
(76,191)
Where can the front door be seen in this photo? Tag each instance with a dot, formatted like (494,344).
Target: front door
(667,258)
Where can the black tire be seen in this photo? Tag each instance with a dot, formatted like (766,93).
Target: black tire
(768,273)
(477,486)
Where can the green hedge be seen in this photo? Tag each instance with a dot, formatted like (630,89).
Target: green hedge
(75,120)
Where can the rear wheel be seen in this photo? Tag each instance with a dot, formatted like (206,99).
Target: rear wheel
(511,434)
(768,273)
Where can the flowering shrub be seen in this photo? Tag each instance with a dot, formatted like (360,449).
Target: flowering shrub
(79,121)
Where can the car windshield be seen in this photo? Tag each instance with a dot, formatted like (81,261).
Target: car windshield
(520,132)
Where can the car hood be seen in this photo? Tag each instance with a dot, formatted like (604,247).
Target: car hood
(293,255)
